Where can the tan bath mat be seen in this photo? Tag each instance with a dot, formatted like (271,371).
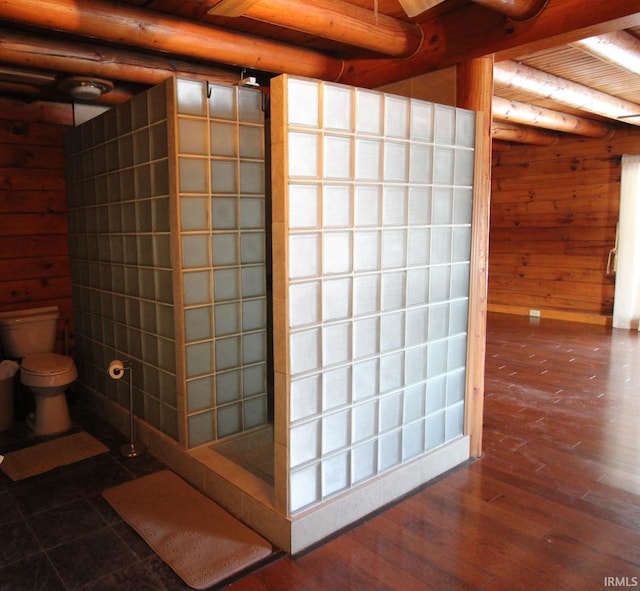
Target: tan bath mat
(196,537)
(51,454)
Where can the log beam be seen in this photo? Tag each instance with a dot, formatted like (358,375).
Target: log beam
(517,10)
(618,48)
(522,135)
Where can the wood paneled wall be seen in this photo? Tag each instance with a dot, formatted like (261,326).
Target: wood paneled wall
(553,221)
(34,251)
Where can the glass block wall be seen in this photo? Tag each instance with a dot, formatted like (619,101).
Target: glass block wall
(117,168)
(373,211)
(221,195)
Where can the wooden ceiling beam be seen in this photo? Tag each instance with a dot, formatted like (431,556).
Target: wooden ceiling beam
(618,48)
(518,10)
(508,132)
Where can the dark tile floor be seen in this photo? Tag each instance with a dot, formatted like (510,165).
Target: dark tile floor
(58,533)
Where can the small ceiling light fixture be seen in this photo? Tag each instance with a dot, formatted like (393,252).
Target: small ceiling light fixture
(86,89)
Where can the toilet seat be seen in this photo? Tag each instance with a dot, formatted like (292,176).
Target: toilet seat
(47,370)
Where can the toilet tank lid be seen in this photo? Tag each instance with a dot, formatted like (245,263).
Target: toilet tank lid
(47,363)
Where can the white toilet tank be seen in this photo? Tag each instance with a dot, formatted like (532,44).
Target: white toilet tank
(26,332)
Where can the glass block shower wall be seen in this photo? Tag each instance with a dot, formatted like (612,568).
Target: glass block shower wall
(221,185)
(120,245)
(372,213)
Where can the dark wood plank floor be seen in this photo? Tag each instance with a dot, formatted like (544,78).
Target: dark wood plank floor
(553,504)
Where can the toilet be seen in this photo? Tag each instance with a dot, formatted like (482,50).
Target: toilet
(29,336)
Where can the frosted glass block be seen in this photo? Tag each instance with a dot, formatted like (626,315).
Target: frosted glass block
(199,359)
(457,352)
(417,287)
(224,249)
(366,379)
(456,387)
(440,245)
(304,204)
(336,472)
(223,176)
(229,420)
(198,325)
(305,351)
(254,347)
(336,431)
(251,213)
(390,411)
(336,299)
(251,141)
(460,280)
(367,206)
(255,412)
(225,285)
(394,249)
(366,337)
(193,175)
(337,388)
(413,440)
(366,251)
(304,443)
(337,157)
(436,394)
(303,154)
(336,255)
(461,244)
(304,487)
(391,331)
(227,319)
(414,403)
(196,287)
(394,206)
(417,326)
(201,428)
(391,371)
(222,101)
(254,314)
(199,394)
(437,358)
(194,213)
(443,166)
(462,206)
(306,397)
(395,162)
(223,139)
(304,255)
(368,112)
(435,430)
(416,365)
(459,314)
(365,420)
(454,421)
(251,178)
(337,343)
(304,303)
(419,206)
(227,353)
(367,294)
(421,164)
(254,380)
(190,97)
(195,251)
(421,120)
(364,462)
(223,213)
(390,450)
(337,107)
(368,165)
(254,281)
(393,290)
(252,248)
(250,103)
(336,202)
(396,116)
(303,102)
(445,124)
(463,175)
(465,128)
(438,321)
(192,136)
(228,388)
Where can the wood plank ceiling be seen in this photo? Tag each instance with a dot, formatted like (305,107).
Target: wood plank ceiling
(137,43)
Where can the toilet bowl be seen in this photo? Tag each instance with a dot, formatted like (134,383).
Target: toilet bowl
(48,376)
